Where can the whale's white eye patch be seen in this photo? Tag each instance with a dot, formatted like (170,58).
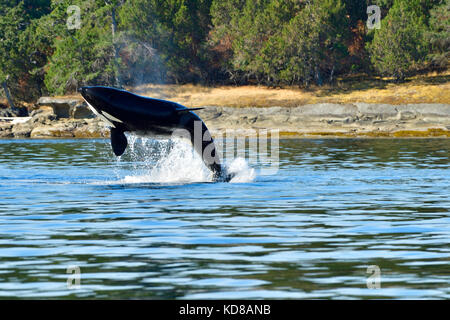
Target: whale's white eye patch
(110,117)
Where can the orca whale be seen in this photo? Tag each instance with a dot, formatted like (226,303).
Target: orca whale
(125,111)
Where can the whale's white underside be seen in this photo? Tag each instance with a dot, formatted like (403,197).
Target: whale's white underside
(103,117)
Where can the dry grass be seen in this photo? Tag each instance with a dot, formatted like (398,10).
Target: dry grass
(431,88)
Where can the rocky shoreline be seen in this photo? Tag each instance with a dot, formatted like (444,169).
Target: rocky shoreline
(57,118)
(71,118)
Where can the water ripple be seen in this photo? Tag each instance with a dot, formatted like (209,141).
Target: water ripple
(334,208)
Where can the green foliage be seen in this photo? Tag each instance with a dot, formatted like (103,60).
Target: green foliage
(285,41)
(174,31)
(399,47)
(315,41)
(81,56)
(11,24)
(251,44)
(273,42)
(17,54)
(439,34)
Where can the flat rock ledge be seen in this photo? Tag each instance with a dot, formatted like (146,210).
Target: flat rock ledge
(71,118)
(335,120)
(74,108)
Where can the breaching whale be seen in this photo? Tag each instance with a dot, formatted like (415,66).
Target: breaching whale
(125,111)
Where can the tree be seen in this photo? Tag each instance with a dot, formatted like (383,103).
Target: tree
(400,47)
(439,34)
(16,55)
(225,20)
(173,31)
(272,42)
(250,47)
(241,32)
(282,41)
(81,56)
(310,46)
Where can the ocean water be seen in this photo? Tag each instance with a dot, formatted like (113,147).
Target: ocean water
(339,219)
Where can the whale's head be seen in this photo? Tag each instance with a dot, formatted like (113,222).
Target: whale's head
(99,97)
(103,102)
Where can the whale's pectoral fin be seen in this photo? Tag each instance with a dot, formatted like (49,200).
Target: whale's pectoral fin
(118,141)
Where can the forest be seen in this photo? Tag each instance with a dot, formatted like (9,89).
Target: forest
(55,46)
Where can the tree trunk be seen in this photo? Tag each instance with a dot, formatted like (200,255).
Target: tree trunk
(8,96)
(318,77)
(116,50)
(114,22)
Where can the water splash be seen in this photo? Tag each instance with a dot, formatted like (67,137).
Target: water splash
(241,171)
(172,161)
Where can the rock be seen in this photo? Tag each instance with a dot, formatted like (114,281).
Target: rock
(406,115)
(5,130)
(328,117)
(41,109)
(5,111)
(62,107)
(326,109)
(50,131)
(84,128)
(81,111)
(65,108)
(60,129)
(42,116)
(91,132)
(22,130)
(93,128)
(319,119)
(379,111)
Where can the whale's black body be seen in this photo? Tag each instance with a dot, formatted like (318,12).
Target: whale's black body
(127,112)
